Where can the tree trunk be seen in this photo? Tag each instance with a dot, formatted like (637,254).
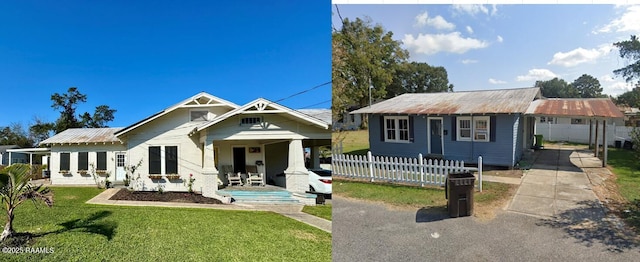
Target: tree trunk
(8,228)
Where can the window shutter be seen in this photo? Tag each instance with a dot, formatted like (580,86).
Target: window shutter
(492,128)
(83,161)
(454,131)
(102,160)
(64,161)
(410,128)
(382,123)
(171,159)
(154,160)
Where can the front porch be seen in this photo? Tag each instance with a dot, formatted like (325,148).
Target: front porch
(268,194)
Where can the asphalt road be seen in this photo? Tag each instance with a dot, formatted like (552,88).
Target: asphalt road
(371,232)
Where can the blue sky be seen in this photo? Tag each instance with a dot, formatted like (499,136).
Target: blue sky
(140,57)
(509,46)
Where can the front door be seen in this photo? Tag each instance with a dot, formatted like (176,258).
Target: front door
(435,136)
(120,166)
(239,160)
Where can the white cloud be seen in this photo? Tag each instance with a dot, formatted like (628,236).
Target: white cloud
(500,39)
(434,43)
(628,22)
(536,74)
(496,82)
(470,30)
(579,55)
(617,88)
(494,10)
(472,9)
(606,78)
(437,22)
(469,61)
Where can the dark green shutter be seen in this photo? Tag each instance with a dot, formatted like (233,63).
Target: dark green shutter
(492,128)
(64,161)
(382,123)
(171,159)
(154,160)
(410,128)
(102,160)
(83,161)
(454,132)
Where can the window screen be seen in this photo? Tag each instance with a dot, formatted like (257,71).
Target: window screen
(102,161)
(171,159)
(64,161)
(83,160)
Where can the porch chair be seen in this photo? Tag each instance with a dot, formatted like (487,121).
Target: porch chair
(234,178)
(253,177)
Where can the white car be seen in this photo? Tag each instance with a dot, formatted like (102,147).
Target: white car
(320,181)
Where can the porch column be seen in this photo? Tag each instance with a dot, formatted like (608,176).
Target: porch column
(315,157)
(9,158)
(590,132)
(597,147)
(604,143)
(296,174)
(209,171)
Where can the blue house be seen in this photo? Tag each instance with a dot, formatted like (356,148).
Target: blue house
(455,125)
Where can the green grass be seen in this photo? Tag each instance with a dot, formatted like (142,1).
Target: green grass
(353,142)
(83,232)
(323,211)
(627,168)
(413,196)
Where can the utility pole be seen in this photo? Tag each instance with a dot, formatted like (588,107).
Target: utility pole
(370,87)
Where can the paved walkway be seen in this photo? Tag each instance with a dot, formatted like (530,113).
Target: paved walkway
(291,211)
(558,186)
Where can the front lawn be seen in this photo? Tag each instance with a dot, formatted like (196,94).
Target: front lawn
(75,231)
(323,211)
(627,168)
(353,142)
(492,198)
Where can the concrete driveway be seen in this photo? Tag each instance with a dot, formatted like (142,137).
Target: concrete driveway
(557,185)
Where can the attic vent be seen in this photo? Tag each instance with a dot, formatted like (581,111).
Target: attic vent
(199,115)
(249,121)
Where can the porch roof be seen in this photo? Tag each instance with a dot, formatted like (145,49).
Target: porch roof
(575,107)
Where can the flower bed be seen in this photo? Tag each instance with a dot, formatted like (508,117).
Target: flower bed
(182,197)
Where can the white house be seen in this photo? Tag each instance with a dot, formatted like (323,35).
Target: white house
(198,136)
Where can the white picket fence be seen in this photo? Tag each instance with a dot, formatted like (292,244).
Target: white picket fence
(418,170)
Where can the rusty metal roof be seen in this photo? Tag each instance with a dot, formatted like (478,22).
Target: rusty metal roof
(84,136)
(498,101)
(575,107)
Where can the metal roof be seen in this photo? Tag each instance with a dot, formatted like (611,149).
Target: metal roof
(322,114)
(457,103)
(4,148)
(84,135)
(575,107)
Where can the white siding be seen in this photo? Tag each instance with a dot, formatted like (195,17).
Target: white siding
(74,178)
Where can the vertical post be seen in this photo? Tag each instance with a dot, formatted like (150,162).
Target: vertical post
(209,171)
(9,158)
(480,173)
(597,147)
(604,143)
(370,163)
(421,166)
(590,132)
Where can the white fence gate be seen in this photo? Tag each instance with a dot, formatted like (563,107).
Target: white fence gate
(418,170)
(580,133)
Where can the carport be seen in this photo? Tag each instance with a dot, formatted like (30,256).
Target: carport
(595,109)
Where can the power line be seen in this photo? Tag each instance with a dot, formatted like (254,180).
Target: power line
(302,92)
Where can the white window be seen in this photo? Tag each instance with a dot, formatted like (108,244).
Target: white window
(464,128)
(577,121)
(249,121)
(481,128)
(199,115)
(473,128)
(396,129)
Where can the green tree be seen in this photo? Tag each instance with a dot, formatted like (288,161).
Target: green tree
(587,86)
(629,49)
(67,104)
(15,189)
(417,77)
(15,134)
(40,130)
(364,58)
(630,98)
(557,88)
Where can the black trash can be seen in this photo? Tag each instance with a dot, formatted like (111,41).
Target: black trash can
(628,145)
(459,192)
(618,144)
